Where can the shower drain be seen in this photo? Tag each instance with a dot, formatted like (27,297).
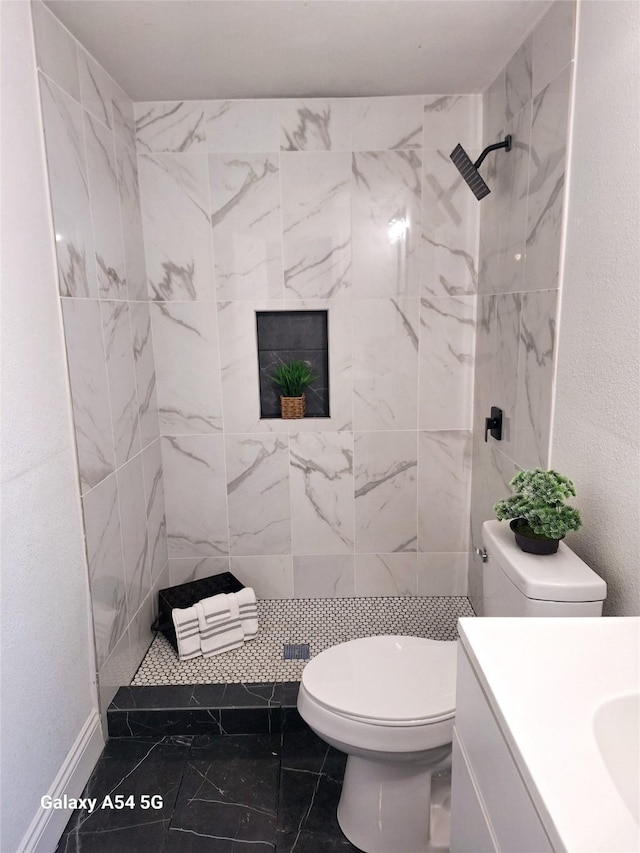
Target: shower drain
(295,651)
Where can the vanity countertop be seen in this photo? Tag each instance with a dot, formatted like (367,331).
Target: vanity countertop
(547,681)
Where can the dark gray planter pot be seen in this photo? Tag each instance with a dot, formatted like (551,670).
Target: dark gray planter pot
(531,544)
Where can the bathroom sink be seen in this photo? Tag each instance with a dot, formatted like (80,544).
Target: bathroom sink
(616,725)
(571,720)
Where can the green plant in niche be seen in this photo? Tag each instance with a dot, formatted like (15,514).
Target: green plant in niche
(293,377)
(538,504)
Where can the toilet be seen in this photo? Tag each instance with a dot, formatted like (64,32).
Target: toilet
(389,702)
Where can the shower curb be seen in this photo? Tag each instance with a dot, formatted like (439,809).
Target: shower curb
(204,709)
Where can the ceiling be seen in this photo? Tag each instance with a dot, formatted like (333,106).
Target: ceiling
(196,49)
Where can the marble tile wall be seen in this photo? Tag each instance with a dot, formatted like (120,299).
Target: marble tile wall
(519,264)
(93,176)
(264,205)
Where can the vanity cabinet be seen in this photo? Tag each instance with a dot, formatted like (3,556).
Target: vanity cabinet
(491,809)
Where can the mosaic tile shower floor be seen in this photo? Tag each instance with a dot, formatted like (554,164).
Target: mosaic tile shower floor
(321,622)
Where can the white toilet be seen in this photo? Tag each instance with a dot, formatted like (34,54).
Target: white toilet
(389,702)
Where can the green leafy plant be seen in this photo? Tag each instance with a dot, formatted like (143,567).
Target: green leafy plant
(539,503)
(293,377)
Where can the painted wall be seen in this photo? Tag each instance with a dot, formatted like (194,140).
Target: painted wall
(519,265)
(595,427)
(89,135)
(48,676)
(264,205)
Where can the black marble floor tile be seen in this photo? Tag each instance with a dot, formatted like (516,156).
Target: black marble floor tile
(310,784)
(163,722)
(305,842)
(228,796)
(128,771)
(160,696)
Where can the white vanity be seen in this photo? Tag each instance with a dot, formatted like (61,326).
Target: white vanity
(546,753)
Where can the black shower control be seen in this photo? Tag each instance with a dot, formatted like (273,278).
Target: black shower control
(494,424)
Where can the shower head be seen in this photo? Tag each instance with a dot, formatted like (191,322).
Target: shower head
(469,170)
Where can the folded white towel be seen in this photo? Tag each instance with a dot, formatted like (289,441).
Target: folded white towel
(246,599)
(185,621)
(219,622)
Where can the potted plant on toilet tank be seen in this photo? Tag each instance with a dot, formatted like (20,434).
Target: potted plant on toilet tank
(540,517)
(293,377)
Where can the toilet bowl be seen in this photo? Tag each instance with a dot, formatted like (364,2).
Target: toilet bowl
(389,703)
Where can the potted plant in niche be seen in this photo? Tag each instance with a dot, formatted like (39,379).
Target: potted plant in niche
(540,517)
(293,377)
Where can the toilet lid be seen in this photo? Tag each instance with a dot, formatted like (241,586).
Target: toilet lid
(390,679)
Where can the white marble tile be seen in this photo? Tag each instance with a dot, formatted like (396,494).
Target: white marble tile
(187,367)
(450,223)
(270,577)
(239,367)
(322,513)
(452,119)
(508,177)
(105,210)
(380,124)
(447,346)
(155,508)
(116,671)
(118,346)
(124,124)
(89,390)
(386,574)
(247,225)
(95,89)
(386,187)
(132,236)
(67,167)
(503,373)
(386,491)
(442,574)
(186,569)
(496,368)
(326,576)
(553,43)
(177,229)
(546,183)
(140,634)
(316,124)
(535,378)
(170,127)
(444,484)
(135,542)
(519,79)
(106,568)
(492,472)
(316,222)
(56,50)
(258,494)
(246,127)
(195,495)
(494,108)
(145,371)
(385,363)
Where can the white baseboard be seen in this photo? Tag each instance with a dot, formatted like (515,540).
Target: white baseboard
(48,824)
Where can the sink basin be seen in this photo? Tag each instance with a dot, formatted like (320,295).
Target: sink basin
(616,725)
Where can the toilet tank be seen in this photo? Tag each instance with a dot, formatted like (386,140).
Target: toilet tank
(519,584)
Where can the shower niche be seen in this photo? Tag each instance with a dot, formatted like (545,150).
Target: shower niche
(293,335)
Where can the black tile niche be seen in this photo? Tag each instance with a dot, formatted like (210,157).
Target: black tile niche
(287,335)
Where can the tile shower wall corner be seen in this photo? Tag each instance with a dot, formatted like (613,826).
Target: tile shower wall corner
(91,158)
(298,197)
(520,234)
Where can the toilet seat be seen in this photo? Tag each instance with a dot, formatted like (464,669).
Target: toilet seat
(385,681)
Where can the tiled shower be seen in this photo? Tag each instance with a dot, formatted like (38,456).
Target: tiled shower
(177,221)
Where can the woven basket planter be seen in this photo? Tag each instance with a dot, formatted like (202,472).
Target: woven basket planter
(293,407)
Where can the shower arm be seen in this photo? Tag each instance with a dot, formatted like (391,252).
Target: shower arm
(505,144)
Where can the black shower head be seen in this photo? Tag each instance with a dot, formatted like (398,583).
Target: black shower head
(469,170)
